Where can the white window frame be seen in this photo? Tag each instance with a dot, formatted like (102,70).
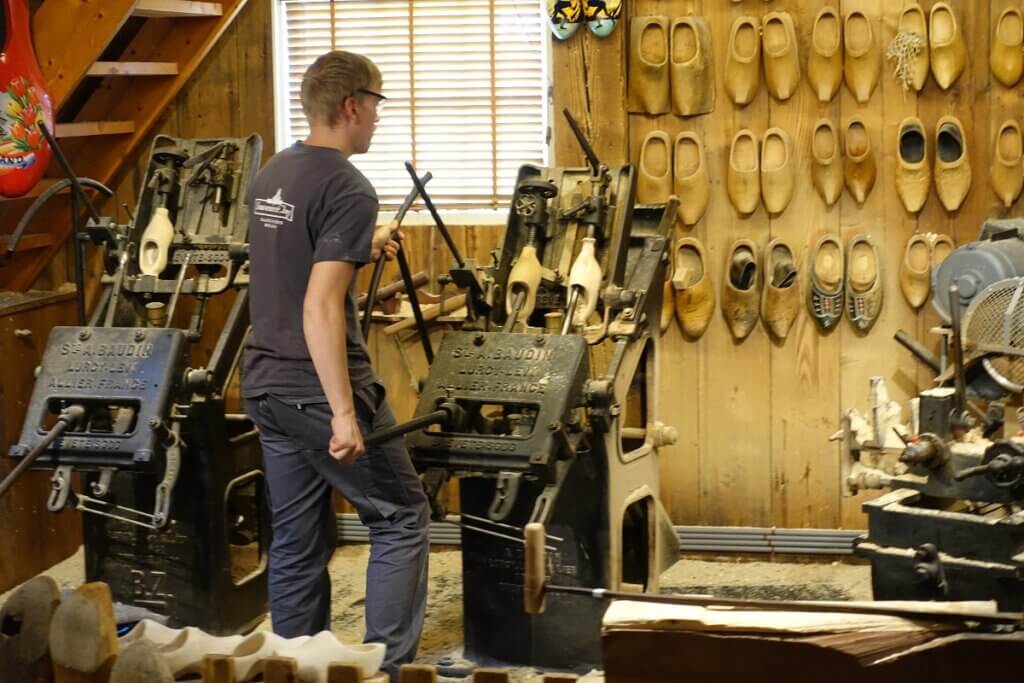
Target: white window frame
(419,215)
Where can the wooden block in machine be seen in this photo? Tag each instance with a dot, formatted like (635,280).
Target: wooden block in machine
(484,675)
(280,670)
(417,673)
(218,669)
(344,673)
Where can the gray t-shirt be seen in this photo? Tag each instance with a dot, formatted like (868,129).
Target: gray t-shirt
(308,204)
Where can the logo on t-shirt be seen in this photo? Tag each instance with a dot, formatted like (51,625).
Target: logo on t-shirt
(275,207)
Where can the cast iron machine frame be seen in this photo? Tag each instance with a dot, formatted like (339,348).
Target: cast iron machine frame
(543,405)
(171,481)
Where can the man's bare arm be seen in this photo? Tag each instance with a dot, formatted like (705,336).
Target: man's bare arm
(323,323)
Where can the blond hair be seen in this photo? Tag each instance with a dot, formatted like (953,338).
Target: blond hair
(333,77)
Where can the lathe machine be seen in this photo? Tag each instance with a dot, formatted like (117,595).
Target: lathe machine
(952,525)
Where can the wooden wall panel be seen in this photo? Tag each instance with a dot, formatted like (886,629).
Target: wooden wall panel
(755,419)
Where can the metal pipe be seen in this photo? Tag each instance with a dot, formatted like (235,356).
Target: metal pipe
(417,312)
(378,267)
(517,305)
(69,172)
(570,310)
(71,416)
(958,350)
(177,288)
(437,417)
(918,351)
(437,217)
(50,192)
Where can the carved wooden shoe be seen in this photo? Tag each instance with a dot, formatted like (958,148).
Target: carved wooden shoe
(324,649)
(952,163)
(1007,55)
(781,55)
(150,630)
(524,277)
(743,179)
(692,67)
(690,178)
(26,617)
(860,168)
(916,270)
(780,303)
(648,65)
(864,289)
(602,16)
(825,65)
(942,246)
(777,170)
(914,60)
(694,290)
(862,61)
(1007,164)
(825,295)
(913,172)
(948,53)
(249,654)
(83,635)
(741,288)
(184,655)
(826,162)
(654,178)
(564,17)
(140,662)
(743,61)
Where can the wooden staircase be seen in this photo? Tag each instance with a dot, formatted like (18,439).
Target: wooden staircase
(105,103)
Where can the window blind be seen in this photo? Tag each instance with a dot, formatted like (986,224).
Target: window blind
(466,82)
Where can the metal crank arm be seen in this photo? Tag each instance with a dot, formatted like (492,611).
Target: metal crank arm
(162,502)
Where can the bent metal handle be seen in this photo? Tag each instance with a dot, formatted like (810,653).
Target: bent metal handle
(439,416)
(378,267)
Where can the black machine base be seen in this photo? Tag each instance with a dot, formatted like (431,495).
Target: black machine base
(497,628)
(205,569)
(919,551)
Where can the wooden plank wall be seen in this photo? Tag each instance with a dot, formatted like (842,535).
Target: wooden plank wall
(754,417)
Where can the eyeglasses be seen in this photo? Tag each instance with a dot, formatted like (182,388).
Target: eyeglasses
(380,98)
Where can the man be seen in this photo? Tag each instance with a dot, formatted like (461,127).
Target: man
(307,378)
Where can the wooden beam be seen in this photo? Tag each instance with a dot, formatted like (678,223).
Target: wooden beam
(89,128)
(133,69)
(176,8)
(63,60)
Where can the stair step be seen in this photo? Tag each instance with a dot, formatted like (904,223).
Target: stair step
(177,8)
(89,128)
(133,69)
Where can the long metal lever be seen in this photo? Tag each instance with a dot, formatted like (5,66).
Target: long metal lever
(437,218)
(69,418)
(378,267)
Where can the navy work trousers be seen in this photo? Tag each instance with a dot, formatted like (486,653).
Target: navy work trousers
(383,487)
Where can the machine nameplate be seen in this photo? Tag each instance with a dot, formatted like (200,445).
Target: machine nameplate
(537,376)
